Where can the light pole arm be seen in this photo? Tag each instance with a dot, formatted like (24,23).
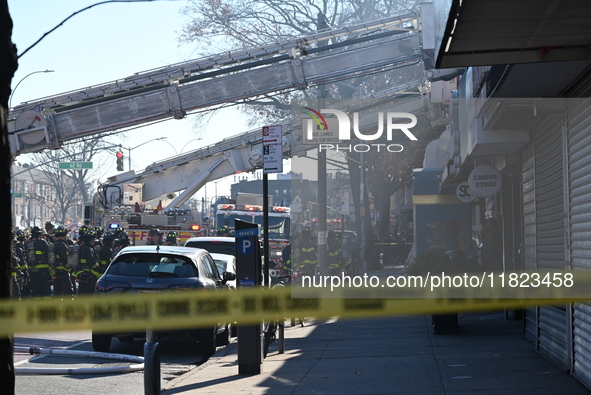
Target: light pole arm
(24,78)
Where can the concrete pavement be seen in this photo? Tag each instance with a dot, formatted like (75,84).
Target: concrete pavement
(398,355)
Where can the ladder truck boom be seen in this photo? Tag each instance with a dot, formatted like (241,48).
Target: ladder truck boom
(173,91)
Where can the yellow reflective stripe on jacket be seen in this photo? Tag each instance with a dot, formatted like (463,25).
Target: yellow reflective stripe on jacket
(41,266)
(38,252)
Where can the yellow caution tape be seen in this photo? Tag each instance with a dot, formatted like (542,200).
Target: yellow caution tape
(192,309)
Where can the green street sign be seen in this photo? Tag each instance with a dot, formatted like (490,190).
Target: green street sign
(75,165)
(17,195)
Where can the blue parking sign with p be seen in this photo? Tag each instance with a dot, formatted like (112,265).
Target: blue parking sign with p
(245,246)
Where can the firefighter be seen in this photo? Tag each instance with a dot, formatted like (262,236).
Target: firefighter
(308,259)
(336,261)
(23,269)
(86,274)
(49,228)
(98,231)
(171,238)
(62,285)
(155,237)
(121,241)
(40,271)
(15,272)
(223,232)
(286,259)
(83,229)
(106,253)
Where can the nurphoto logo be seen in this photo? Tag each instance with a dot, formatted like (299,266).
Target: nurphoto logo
(334,133)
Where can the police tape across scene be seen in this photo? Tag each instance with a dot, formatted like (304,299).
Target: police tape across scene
(247,306)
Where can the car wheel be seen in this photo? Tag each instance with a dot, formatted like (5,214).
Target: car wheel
(207,342)
(234,330)
(224,338)
(101,342)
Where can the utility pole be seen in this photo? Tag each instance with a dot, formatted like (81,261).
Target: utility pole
(322,243)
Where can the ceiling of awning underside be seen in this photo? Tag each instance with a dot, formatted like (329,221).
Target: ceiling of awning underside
(489,32)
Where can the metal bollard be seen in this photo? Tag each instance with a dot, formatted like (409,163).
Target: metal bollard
(151,364)
(281,337)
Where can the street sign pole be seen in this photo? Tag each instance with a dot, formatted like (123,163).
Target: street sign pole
(272,163)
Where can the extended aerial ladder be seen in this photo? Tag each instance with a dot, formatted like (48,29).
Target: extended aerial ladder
(173,91)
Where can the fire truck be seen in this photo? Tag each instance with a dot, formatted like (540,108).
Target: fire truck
(279,227)
(138,218)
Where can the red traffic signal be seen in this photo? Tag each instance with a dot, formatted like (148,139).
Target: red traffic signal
(119,155)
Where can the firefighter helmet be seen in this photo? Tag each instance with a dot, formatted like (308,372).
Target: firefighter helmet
(155,232)
(21,235)
(60,231)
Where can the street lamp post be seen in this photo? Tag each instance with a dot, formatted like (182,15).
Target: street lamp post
(24,78)
(190,141)
(182,149)
(137,146)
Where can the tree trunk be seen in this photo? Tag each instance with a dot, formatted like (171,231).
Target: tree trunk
(8,65)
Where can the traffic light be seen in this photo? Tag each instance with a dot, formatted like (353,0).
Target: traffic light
(119,161)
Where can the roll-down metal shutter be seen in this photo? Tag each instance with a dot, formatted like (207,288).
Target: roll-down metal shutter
(579,149)
(528,247)
(550,235)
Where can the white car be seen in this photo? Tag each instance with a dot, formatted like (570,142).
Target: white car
(225,263)
(215,244)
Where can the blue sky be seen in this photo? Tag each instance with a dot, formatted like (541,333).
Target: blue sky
(108,42)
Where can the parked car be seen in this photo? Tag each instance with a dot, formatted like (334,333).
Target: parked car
(225,263)
(217,245)
(149,269)
(214,244)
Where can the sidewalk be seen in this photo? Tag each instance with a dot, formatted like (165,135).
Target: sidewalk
(387,356)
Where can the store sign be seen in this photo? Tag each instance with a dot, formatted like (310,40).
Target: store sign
(464,194)
(484,181)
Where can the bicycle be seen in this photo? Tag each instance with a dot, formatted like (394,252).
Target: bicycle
(270,329)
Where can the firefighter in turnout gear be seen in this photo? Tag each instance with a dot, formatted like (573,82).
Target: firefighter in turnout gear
(121,241)
(155,237)
(62,285)
(15,273)
(286,258)
(223,232)
(336,261)
(308,259)
(171,238)
(98,232)
(40,270)
(86,274)
(106,253)
(23,269)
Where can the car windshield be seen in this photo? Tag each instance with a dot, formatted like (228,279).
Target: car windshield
(153,265)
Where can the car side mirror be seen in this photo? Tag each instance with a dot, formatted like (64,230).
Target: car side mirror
(227,276)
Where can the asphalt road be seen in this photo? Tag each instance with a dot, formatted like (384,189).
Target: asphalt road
(177,357)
